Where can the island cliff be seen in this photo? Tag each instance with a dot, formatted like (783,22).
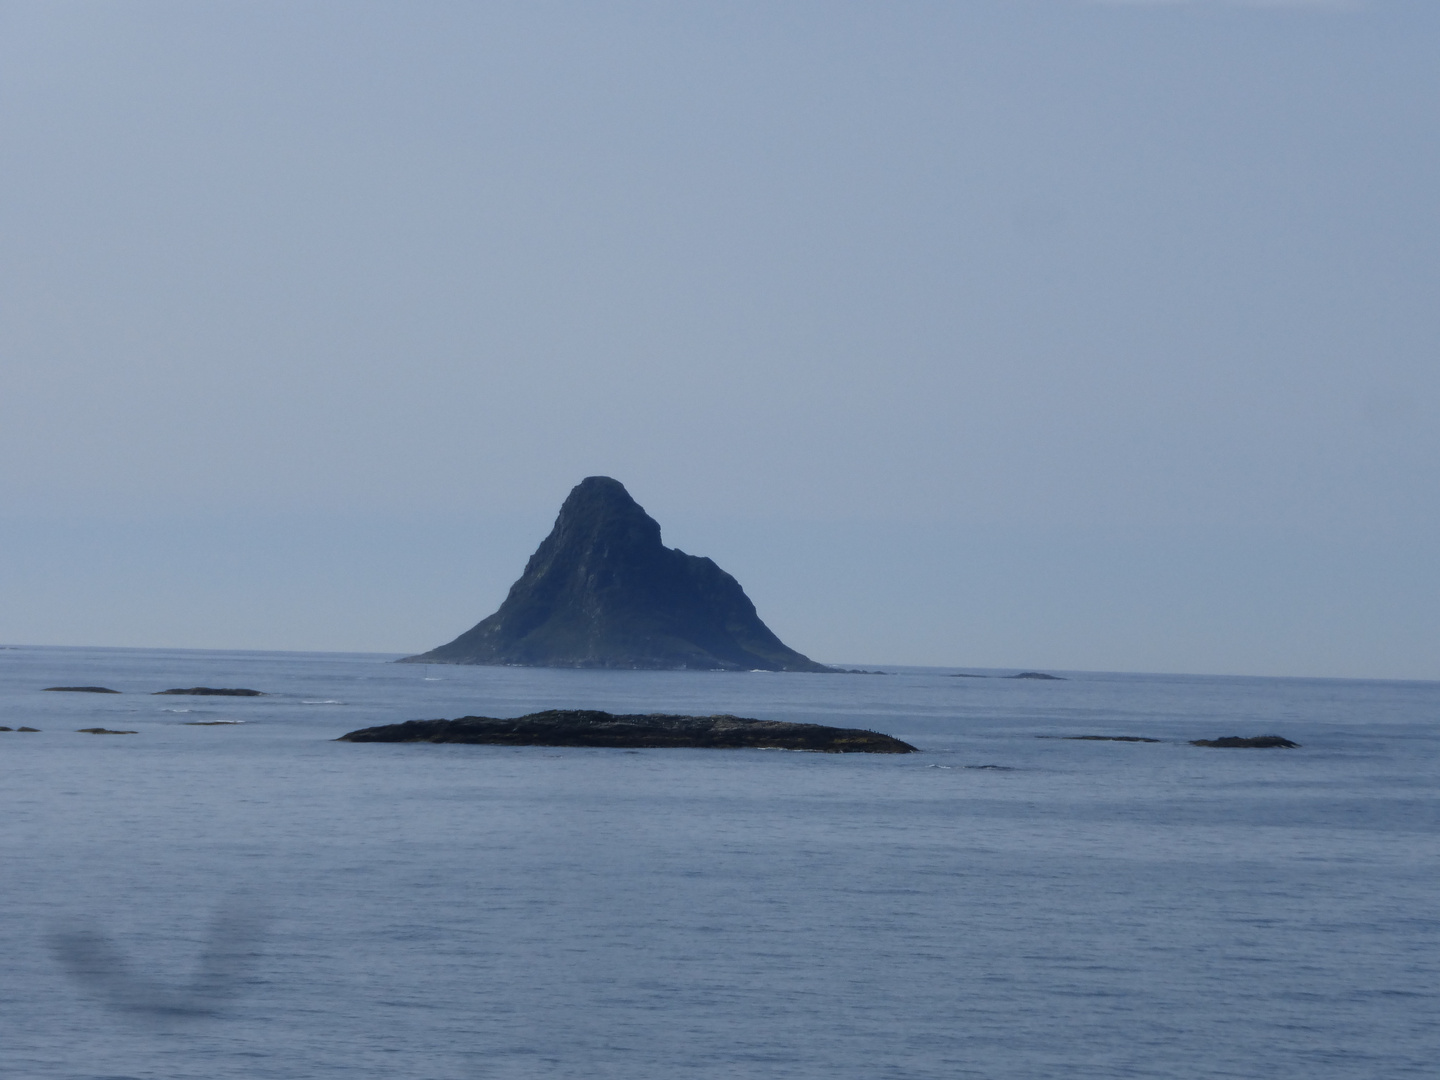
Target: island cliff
(602,591)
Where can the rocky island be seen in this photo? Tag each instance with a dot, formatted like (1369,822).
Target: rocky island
(213,691)
(588,727)
(602,591)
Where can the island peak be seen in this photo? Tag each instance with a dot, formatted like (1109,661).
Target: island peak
(603,591)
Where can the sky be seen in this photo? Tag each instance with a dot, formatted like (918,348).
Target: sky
(978,333)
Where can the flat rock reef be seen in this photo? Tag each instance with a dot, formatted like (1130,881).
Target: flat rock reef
(1257,742)
(589,727)
(213,691)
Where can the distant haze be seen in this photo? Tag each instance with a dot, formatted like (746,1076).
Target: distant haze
(988,334)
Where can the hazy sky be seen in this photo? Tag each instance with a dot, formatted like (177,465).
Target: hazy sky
(1013,333)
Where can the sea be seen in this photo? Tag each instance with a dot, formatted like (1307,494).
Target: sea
(228,892)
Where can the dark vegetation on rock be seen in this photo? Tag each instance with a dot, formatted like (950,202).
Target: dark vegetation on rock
(1035,675)
(83,689)
(587,727)
(1258,742)
(104,731)
(214,691)
(6,729)
(602,591)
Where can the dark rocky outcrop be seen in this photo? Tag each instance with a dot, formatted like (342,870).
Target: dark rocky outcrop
(587,727)
(6,729)
(36,729)
(1036,675)
(214,691)
(1099,738)
(1258,742)
(602,591)
(104,731)
(83,689)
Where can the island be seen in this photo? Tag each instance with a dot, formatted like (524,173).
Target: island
(82,689)
(602,591)
(589,727)
(1257,742)
(213,691)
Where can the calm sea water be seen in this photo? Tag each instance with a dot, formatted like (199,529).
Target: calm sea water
(1000,906)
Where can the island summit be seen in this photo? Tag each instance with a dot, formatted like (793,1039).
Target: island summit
(602,591)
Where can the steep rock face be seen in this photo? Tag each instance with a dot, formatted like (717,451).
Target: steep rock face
(602,591)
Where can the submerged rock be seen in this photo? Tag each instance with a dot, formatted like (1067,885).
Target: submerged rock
(213,691)
(1259,742)
(83,689)
(1099,738)
(104,731)
(588,727)
(602,591)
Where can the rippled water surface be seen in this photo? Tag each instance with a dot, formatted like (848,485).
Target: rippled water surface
(253,899)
